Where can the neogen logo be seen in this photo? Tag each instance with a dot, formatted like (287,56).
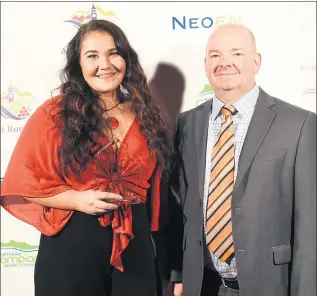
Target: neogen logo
(206,22)
(16,254)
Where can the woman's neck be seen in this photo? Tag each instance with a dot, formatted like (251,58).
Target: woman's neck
(109,100)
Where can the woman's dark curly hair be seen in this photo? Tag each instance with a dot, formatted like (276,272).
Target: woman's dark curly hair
(81,110)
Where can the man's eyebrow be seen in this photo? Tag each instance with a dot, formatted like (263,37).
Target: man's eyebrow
(235,49)
(217,51)
(213,50)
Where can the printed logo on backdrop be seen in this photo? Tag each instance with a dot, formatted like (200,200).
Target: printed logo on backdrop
(96,12)
(308,91)
(16,107)
(18,255)
(309,69)
(308,86)
(205,22)
(205,94)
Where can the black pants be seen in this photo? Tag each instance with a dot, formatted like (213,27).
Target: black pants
(76,262)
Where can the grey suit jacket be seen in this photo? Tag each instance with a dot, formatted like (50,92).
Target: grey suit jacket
(273,205)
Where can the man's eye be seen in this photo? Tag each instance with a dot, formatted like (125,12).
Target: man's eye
(238,54)
(214,56)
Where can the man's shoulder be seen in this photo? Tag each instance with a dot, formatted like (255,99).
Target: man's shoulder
(188,113)
(291,111)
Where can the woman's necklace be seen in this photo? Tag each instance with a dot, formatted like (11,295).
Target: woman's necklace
(112,122)
(107,110)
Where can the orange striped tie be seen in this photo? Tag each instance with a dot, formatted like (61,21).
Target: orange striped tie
(219,228)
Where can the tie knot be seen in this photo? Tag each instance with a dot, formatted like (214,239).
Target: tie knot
(228,110)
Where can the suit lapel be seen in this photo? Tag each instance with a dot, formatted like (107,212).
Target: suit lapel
(260,123)
(200,135)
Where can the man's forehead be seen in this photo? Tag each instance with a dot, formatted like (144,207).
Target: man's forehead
(232,37)
(227,43)
(232,28)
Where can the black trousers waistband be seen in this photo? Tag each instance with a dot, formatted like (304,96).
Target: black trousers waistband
(212,282)
(230,283)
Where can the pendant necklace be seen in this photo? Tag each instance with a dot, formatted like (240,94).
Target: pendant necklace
(112,121)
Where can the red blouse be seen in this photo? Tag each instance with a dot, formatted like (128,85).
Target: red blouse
(34,171)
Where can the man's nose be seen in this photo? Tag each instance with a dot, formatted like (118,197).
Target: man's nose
(225,61)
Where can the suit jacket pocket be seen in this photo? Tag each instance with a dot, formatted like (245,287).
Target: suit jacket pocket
(282,254)
(270,155)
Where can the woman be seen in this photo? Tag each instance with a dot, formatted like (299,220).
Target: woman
(80,158)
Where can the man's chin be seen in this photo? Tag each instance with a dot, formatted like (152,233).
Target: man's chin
(227,88)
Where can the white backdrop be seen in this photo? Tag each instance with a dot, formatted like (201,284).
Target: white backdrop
(33,38)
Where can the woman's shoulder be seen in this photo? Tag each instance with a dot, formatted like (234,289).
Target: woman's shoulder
(49,108)
(46,116)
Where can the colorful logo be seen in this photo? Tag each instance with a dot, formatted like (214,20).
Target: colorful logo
(16,254)
(205,94)
(16,104)
(81,17)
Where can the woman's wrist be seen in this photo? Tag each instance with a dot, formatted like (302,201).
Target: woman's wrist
(75,204)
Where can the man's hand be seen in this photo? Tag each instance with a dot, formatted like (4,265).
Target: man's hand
(178,289)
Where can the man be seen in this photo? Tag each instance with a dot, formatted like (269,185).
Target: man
(245,185)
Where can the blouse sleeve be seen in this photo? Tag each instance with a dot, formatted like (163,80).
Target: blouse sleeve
(34,171)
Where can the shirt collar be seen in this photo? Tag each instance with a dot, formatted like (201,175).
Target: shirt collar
(245,105)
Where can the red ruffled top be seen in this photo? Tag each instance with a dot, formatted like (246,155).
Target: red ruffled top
(34,171)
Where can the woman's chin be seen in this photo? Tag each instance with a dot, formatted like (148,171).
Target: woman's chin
(106,90)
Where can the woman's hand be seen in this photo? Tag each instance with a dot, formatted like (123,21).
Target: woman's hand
(96,202)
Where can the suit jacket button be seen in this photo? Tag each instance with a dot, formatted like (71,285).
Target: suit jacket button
(199,242)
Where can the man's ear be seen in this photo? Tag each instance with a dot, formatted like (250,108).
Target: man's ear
(257,62)
(205,66)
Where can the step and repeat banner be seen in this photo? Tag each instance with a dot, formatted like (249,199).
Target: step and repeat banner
(170,39)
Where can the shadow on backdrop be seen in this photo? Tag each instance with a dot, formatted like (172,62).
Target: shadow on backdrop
(167,86)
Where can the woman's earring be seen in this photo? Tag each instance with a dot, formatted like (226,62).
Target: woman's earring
(124,90)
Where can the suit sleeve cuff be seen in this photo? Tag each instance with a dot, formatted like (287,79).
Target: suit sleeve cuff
(176,276)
